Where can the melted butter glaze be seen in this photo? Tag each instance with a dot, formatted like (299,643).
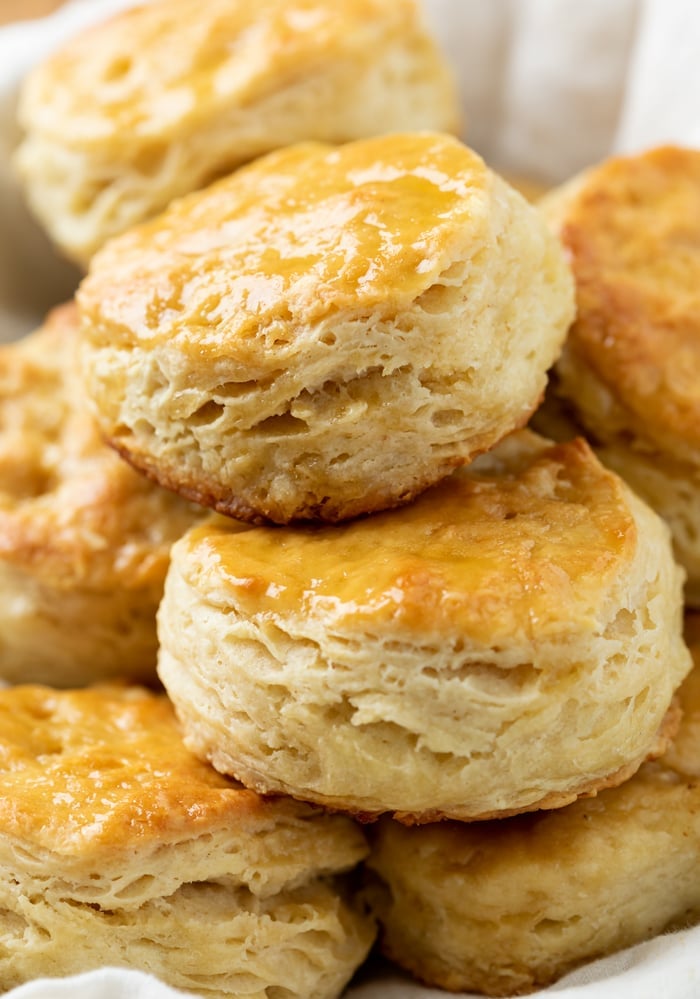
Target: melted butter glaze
(299,235)
(525,551)
(98,769)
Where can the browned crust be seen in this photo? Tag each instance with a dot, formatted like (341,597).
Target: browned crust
(631,232)
(204,493)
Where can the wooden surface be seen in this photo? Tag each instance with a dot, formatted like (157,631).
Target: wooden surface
(15,10)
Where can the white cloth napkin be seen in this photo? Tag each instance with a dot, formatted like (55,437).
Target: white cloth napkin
(548,86)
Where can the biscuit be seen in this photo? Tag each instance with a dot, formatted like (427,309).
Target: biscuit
(119,848)
(160,100)
(508,642)
(84,539)
(507,907)
(630,370)
(327,332)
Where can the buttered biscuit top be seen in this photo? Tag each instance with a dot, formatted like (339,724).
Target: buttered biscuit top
(328,331)
(302,235)
(489,556)
(81,767)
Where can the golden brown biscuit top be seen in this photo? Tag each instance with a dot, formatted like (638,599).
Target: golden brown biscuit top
(159,70)
(240,269)
(98,769)
(633,234)
(526,544)
(71,511)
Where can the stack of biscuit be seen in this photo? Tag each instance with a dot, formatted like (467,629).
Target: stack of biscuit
(423,667)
